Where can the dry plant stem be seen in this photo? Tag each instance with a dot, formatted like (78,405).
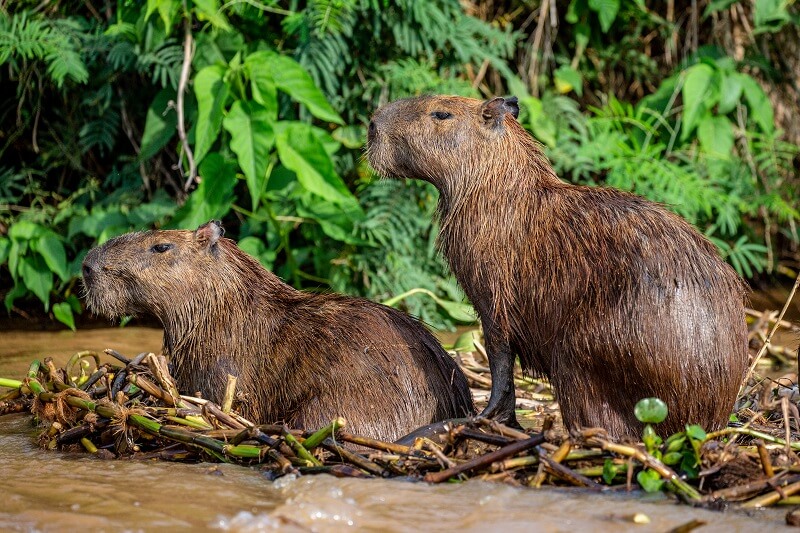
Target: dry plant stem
(763,454)
(752,433)
(772,331)
(485,460)
(782,323)
(188,53)
(569,475)
(151,388)
(680,486)
(502,429)
(743,491)
(118,356)
(214,410)
(773,497)
(434,449)
(230,390)
(354,458)
(158,367)
(377,444)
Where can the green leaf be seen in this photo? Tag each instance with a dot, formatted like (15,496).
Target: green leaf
(649,480)
(293,79)
(37,277)
(5,249)
(650,410)
(52,251)
(457,310)
(265,92)
(350,136)
(167,9)
(568,79)
(770,15)
(542,125)
(209,10)
(693,431)
(606,11)
(17,291)
(214,195)
(256,247)
(730,93)
(252,138)
(160,125)
(466,341)
(716,136)
(24,230)
(336,220)
(212,92)
(717,5)
(609,472)
(758,103)
(301,152)
(672,458)
(63,313)
(695,89)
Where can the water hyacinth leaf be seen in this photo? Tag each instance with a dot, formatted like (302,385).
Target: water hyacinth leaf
(693,431)
(694,91)
(649,480)
(160,125)
(213,197)
(211,91)
(63,313)
(650,410)
(716,136)
(252,139)
(52,250)
(37,277)
(290,77)
(609,472)
(301,152)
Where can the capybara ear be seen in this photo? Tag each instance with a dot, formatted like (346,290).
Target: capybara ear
(493,111)
(209,233)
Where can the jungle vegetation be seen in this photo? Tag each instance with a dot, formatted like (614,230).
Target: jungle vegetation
(127,115)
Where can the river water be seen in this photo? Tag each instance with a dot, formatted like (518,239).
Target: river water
(56,491)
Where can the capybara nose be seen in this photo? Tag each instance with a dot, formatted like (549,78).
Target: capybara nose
(88,271)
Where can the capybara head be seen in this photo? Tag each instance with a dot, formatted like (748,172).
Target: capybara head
(146,272)
(437,137)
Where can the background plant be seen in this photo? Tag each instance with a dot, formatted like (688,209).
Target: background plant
(166,113)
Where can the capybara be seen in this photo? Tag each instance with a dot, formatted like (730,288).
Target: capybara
(611,296)
(300,358)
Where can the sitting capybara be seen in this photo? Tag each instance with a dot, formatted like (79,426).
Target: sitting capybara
(300,358)
(611,296)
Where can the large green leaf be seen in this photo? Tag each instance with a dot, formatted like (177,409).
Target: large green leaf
(160,125)
(336,220)
(730,93)
(214,195)
(606,11)
(63,313)
(771,15)
(52,251)
(262,83)
(252,138)
(37,277)
(25,230)
(293,79)
(211,91)
(301,152)
(167,9)
(695,89)
(757,101)
(716,136)
(209,10)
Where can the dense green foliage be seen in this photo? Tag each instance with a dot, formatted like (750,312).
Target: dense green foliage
(265,128)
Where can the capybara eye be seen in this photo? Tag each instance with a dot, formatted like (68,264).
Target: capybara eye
(162,247)
(441,115)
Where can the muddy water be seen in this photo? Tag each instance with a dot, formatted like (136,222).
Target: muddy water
(55,491)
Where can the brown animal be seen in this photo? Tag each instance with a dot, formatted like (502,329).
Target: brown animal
(300,358)
(611,296)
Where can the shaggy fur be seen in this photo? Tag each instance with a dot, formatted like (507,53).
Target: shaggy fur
(300,358)
(611,296)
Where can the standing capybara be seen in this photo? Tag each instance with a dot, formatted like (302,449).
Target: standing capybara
(611,296)
(300,358)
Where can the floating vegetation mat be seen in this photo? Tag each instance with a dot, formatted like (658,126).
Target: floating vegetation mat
(131,409)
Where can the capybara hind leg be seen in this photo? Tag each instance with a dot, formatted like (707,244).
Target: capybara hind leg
(502,398)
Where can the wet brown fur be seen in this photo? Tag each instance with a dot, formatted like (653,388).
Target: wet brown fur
(611,296)
(300,358)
